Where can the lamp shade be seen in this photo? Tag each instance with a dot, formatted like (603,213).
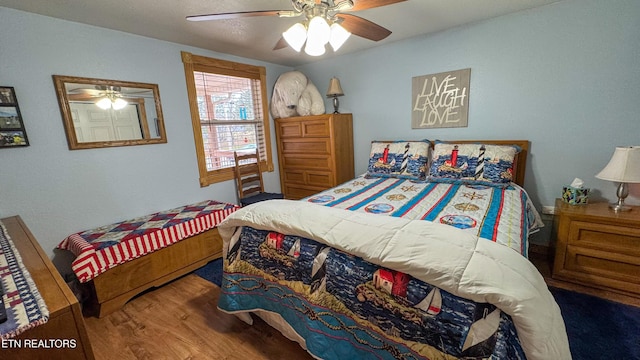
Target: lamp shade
(334,87)
(295,36)
(314,48)
(319,31)
(104,103)
(338,36)
(118,104)
(624,166)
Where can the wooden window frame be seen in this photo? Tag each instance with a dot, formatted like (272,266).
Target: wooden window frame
(206,64)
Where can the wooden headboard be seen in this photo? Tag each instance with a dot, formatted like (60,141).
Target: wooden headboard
(520,163)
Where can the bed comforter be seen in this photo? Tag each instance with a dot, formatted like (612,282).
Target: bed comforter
(401,263)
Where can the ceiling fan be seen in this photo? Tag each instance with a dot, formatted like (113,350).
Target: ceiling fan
(325,21)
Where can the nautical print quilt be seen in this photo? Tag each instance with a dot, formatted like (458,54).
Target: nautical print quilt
(98,250)
(353,285)
(374,311)
(501,214)
(23,303)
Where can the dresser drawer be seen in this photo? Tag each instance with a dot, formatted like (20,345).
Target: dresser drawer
(304,129)
(610,238)
(307,146)
(604,268)
(295,192)
(299,161)
(314,178)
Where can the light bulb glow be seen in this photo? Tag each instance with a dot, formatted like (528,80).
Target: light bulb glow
(295,36)
(314,48)
(319,31)
(339,36)
(119,104)
(104,103)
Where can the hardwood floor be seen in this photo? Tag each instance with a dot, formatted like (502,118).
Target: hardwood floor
(180,321)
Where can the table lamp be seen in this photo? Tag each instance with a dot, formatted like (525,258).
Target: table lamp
(623,168)
(334,91)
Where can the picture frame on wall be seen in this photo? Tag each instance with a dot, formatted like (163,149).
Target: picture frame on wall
(440,100)
(12,131)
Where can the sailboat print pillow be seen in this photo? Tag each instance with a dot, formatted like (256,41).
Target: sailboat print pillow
(473,163)
(399,159)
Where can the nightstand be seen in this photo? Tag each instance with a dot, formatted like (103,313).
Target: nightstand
(598,247)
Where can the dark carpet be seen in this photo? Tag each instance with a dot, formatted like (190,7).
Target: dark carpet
(598,329)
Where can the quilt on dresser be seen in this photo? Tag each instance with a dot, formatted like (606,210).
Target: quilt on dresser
(25,308)
(501,214)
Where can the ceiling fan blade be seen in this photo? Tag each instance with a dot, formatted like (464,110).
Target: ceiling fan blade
(363,27)
(234,15)
(369,4)
(281,44)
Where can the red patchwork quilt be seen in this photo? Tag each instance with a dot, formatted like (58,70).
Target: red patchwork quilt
(98,250)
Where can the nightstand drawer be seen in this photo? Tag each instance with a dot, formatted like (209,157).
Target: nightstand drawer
(598,247)
(597,267)
(621,239)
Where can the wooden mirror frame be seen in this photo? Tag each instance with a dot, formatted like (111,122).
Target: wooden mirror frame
(65,109)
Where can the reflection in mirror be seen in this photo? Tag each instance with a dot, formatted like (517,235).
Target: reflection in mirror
(104,113)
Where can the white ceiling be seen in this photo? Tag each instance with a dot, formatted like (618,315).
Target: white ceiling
(255,37)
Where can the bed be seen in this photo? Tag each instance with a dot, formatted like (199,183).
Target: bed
(116,262)
(335,274)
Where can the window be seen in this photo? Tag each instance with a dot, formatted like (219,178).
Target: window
(228,113)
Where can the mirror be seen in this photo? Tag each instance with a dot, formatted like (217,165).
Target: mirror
(103,113)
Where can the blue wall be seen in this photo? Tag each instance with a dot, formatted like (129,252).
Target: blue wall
(57,191)
(565,76)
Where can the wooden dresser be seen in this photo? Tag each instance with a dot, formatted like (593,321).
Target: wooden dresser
(314,153)
(598,247)
(65,316)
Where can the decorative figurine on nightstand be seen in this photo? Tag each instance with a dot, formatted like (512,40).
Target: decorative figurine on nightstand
(624,168)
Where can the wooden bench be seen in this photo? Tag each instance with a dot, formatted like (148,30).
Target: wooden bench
(177,250)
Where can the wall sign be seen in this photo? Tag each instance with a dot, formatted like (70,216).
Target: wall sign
(12,132)
(440,100)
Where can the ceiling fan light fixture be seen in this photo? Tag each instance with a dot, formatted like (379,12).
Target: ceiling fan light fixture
(339,36)
(111,100)
(319,31)
(295,36)
(314,48)
(118,104)
(104,103)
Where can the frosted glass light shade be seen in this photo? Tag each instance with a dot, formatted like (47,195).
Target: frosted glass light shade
(338,36)
(119,104)
(104,103)
(314,48)
(319,31)
(295,36)
(624,166)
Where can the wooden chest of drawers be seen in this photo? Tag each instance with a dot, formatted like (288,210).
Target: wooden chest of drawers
(65,316)
(598,247)
(314,153)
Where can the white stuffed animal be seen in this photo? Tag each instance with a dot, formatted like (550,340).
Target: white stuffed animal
(295,95)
